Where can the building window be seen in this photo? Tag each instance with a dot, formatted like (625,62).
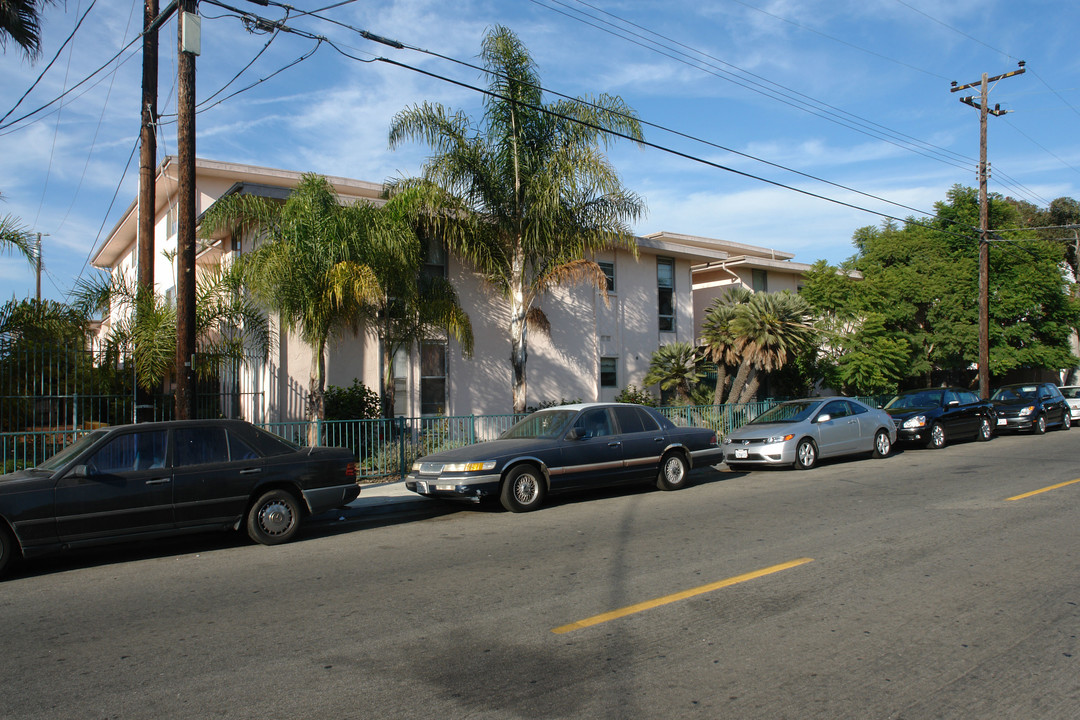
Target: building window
(170,221)
(609,376)
(435,259)
(761,281)
(609,273)
(432,378)
(665,283)
(401,371)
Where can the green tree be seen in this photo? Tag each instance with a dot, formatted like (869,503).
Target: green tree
(527,196)
(20,22)
(675,366)
(314,263)
(720,342)
(770,330)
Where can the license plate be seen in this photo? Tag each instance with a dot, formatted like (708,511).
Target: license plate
(739,454)
(1002,421)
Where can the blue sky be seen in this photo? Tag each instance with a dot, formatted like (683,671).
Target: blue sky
(852,92)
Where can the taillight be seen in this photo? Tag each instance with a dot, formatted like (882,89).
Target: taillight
(350,470)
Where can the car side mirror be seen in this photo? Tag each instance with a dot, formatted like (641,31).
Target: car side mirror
(576,433)
(954,403)
(823,417)
(80,471)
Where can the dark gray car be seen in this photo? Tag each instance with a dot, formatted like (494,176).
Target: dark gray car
(155,479)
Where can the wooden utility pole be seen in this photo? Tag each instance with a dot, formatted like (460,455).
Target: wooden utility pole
(185,216)
(982,105)
(144,407)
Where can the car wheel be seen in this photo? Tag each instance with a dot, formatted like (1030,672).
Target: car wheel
(1039,428)
(523,490)
(805,454)
(1066,420)
(937,437)
(274,518)
(882,444)
(7,548)
(986,430)
(673,472)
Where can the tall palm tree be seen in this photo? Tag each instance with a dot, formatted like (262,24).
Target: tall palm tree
(675,366)
(312,266)
(14,236)
(20,21)
(769,329)
(527,195)
(717,337)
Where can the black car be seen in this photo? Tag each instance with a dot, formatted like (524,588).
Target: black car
(565,448)
(165,478)
(936,415)
(1031,406)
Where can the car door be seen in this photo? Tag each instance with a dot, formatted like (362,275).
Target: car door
(868,426)
(642,442)
(593,455)
(840,433)
(1053,403)
(214,473)
(958,419)
(124,487)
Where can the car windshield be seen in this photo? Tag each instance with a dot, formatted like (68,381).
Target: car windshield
(921,399)
(61,458)
(1016,393)
(795,411)
(1071,392)
(541,424)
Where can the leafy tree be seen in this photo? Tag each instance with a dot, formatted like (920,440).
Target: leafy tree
(20,22)
(314,264)
(675,366)
(527,195)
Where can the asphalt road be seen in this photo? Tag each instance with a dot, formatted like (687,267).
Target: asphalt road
(910,587)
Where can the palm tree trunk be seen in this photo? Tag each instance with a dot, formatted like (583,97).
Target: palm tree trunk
(519,349)
(317,391)
(721,381)
(752,384)
(739,382)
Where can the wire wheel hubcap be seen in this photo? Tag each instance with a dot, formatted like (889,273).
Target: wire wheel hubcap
(526,489)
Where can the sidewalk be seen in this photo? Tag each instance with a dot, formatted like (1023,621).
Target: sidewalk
(387,497)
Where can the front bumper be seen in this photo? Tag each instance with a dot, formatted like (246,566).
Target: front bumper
(1015,423)
(760,453)
(461,487)
(913,434)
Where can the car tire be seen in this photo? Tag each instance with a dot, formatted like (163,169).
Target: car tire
(805,454)
(1039,426)
(986,430)
(274,518)
(674,472)
(937,439)
(882,444)
(523,489)
(1066,420)
(7,548)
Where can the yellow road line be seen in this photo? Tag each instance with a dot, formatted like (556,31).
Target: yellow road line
(650,604)
(1045,489)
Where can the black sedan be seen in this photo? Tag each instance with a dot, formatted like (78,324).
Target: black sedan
(1031,406)
(156,479)
(935,415)
(566,448)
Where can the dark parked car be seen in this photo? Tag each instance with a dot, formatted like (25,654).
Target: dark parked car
(1031,406)
(936,415)
(156,479)
(799,432)
(565,448)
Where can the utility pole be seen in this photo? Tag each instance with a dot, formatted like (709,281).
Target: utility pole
(189,42)
(982,105)
(144,407)
(37,264)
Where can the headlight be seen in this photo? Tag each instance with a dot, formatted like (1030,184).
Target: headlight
(469,466)
(416,466)
(1027,411)
(779,438)
(915,422)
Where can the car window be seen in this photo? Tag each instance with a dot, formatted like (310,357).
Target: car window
(835,409)
(925,398)
(648,422)
(200,444)
(855,408)
(967,397)
(951,397)
(629,420)
(1071,392)
(595,423)
(240,450)
(129,452)
(1045,393)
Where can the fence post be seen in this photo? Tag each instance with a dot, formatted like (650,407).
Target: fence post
(399,423)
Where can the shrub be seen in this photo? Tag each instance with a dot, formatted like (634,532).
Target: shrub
(640,396)
(358,402)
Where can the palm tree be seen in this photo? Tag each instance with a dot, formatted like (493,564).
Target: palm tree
(20,21)
(314,266)
(769,330)
(527,195)
(14,236)
(716,335)
(229,327)
(675,366)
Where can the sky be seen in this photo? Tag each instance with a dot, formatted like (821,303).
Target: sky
(786,124)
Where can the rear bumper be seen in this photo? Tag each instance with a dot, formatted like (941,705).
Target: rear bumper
(322,499)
